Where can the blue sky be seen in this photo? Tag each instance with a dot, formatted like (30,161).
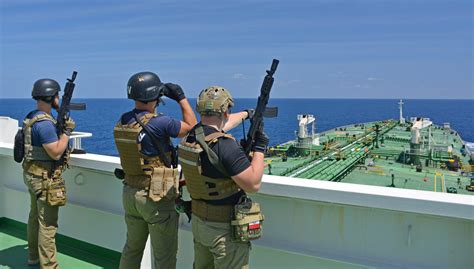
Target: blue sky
(327,48)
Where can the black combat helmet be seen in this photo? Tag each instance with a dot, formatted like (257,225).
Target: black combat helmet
(45,88)
(144,87)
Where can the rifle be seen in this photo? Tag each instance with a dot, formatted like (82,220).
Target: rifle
(66,105)
(256,122)
(63,114)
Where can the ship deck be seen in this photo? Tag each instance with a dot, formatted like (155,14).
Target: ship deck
(406,177)
(361,162)
(71,253)
(80,255)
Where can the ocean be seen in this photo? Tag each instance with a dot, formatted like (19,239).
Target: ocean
(102,114)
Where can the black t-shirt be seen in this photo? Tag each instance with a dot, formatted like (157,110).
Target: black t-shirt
(232,157)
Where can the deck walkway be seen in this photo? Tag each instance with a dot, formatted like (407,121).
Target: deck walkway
(14,251)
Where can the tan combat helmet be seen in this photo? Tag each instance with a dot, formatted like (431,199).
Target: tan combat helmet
(214,100)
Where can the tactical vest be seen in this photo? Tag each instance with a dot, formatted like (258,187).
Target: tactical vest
(199,186)
(36,160)
(142,171)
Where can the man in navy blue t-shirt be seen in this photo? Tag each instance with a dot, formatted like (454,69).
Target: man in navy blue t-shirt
(143,140)
(44,146)
(42,132)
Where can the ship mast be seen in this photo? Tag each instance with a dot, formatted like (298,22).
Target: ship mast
(402,119)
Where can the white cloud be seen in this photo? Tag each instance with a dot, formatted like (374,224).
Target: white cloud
(373,79)
(362,86)
(239,76)
(294,81)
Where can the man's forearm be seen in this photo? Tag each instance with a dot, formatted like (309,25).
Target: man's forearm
(188,113)
(258,165)
(234,120)
(63,143)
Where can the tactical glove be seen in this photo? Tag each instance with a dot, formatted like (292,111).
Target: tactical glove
(261,142)
(250,113)
(173,91)
(69,126)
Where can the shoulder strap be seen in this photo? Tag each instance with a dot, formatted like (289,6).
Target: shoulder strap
(155,142)
(213,158)
(212,138)
(148,116)
(40,117)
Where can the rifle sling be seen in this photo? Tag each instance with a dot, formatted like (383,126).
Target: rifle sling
(155,142)
(212,156)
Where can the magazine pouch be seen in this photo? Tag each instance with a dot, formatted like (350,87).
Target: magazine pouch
(247,220)
(164,183)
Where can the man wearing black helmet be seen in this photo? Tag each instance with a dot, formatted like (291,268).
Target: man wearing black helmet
(151,178)
(43,146)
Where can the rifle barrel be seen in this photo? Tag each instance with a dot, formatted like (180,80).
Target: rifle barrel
(257,120)
(77,106)
(274,65)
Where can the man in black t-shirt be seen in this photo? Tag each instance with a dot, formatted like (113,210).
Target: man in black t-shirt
(217,178)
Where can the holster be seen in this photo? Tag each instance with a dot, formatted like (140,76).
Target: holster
(247,221)
(54,188)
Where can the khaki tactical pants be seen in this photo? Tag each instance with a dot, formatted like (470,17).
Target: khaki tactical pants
(143,217)
(213,246)
(42,225)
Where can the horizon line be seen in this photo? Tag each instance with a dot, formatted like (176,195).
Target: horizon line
(273,98)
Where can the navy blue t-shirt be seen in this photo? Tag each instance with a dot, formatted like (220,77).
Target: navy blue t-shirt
(163,127)
(42,132)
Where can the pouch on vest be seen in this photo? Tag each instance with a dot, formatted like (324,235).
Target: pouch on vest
(19,147)
(246,221)
(140,171)
(55,190)
(164,183)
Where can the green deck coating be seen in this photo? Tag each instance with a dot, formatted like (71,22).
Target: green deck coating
(13,254)
(360,162)
(405,177)
(72,253)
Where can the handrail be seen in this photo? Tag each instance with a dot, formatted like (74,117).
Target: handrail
(76,138)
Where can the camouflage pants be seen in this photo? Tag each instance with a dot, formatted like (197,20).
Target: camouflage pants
(42,225)
(143,217)
(213,246)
